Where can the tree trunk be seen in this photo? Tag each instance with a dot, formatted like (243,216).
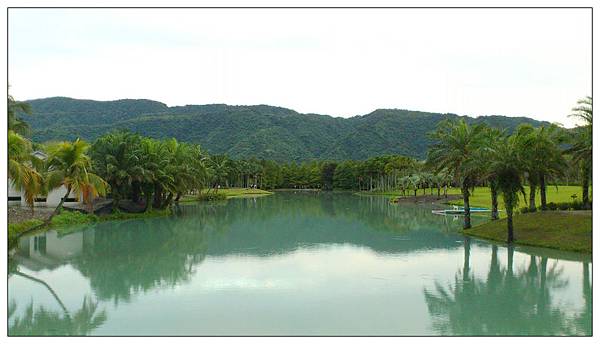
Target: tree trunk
(532,190)
(157,196)
(465,194)
(116,200)
(135,191)
(543,191)
(148,206)
(60,204)
(467,258)
(167,201)
(585,197)
(178,197)
(509,223)
(494,191)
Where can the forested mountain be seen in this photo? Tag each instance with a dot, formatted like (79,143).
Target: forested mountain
(249,131)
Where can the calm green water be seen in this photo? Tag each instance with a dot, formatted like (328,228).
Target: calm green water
(293,264)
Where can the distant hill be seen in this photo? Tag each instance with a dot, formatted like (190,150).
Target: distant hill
(262,131)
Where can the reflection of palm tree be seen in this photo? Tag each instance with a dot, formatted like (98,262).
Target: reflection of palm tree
(31,278)
(42,321)
(507,302)
(583,321)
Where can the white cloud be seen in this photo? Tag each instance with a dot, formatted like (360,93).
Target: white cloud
(340,62)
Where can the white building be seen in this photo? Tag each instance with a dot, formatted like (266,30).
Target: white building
(15,196)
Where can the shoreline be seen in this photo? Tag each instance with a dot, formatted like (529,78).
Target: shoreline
(556,230)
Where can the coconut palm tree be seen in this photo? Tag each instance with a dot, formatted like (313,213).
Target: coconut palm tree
(70,166)
(15,123)
(507,162)
(491,137)
(116,158)
(455,147)
(21,169)
(581,148)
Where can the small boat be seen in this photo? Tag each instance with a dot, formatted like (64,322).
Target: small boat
(456,210)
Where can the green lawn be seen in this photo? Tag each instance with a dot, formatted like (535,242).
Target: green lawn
(563,230)
(481,197)
(230,193)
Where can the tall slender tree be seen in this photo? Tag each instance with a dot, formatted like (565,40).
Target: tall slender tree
(70,166)
(581,148)
(455,147)
(508,163)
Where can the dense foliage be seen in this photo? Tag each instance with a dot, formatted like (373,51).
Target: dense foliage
(241,132)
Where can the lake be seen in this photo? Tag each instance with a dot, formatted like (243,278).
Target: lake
(303,263)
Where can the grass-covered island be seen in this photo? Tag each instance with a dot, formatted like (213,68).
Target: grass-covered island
(563,230)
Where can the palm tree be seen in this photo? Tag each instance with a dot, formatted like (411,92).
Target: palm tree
(219,167)
(507,162)
(581,148)
(491,138)
(116,158)
(455,149)
(21,169)
(15,123)
(70,166)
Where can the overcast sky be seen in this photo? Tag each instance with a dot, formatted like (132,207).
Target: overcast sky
(343,62)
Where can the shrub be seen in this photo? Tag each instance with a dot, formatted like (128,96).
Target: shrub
(212,197)
(72,217)
(564,205)
(577,205)
(524,210)
(552,206)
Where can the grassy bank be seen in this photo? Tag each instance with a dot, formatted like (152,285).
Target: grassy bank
(563,230)
(481,197)
(65,219)
(229,193)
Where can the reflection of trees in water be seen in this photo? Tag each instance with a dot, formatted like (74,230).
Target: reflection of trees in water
(376,212)
(43,322)
(505,303)
(583,321)
(132,256)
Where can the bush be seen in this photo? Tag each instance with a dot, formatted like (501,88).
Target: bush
(577,205)
(15,229)
(552,206)
(72,217)
(212,197)
(564,205)
(524,210)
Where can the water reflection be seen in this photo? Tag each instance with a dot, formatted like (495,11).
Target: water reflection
(507,302)
(39,321)
(360,263)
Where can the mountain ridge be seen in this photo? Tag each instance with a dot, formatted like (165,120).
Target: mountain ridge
(242,131)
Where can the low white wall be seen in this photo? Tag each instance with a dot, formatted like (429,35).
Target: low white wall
(52,199)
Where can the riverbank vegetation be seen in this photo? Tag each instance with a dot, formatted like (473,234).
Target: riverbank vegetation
(142,173)
(64,219)
(507,162)
(563,230)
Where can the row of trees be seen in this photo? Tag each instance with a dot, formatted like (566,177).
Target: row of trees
(476,154)
(156,173)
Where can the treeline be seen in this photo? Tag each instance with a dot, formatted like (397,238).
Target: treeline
(476,154)
(154,173)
